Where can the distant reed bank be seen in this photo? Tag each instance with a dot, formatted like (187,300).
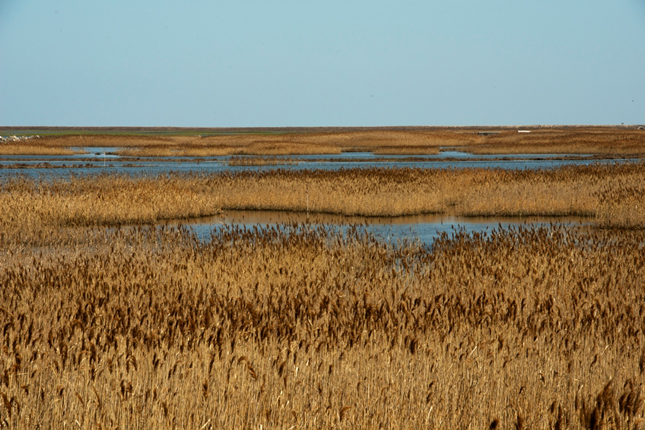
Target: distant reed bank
(625,141)
(609,195)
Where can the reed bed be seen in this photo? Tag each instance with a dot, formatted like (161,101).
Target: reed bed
(609,195)
(175,151)
(258,148)
(47,165)
(610,141)
(406,150)
(307,327)
(34,149)
(41,210)
(261,161)
(592,140)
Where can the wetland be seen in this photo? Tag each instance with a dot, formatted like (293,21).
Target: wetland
(406,278)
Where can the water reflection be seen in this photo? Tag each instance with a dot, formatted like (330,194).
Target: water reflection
(424,228)
(96,151)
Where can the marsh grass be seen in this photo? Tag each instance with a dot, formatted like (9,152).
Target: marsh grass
(593,140)
(609,141)
(47,165)
(609,195)
(261,161)
(300,327)
(34,209)
(175,151)
(34,149)
(406,150)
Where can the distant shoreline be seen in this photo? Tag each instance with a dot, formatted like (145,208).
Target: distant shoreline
(323,129)
(168,141)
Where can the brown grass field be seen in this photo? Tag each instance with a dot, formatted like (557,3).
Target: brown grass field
(108,322)
(610,141)
(304,327)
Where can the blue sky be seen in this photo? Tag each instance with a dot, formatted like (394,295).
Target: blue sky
(210,63)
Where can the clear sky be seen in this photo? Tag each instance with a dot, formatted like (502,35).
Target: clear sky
(243,63)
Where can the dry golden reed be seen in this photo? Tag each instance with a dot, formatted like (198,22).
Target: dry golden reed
(36,210)
(308,327)
(609,195)
(577,140)
(261,161)
(27,149)
(606,141)
(405,150)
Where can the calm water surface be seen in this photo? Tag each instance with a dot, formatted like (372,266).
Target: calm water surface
(424,228)
(97,160)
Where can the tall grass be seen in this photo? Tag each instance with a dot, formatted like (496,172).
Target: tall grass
(610,195)
(301,327)
(31,149)
(591,140)
(610,141)
(37,210)
(261,161)
(405,150)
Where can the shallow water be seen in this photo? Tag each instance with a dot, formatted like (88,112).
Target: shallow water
(96,151)
(98,160)
(423,228)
